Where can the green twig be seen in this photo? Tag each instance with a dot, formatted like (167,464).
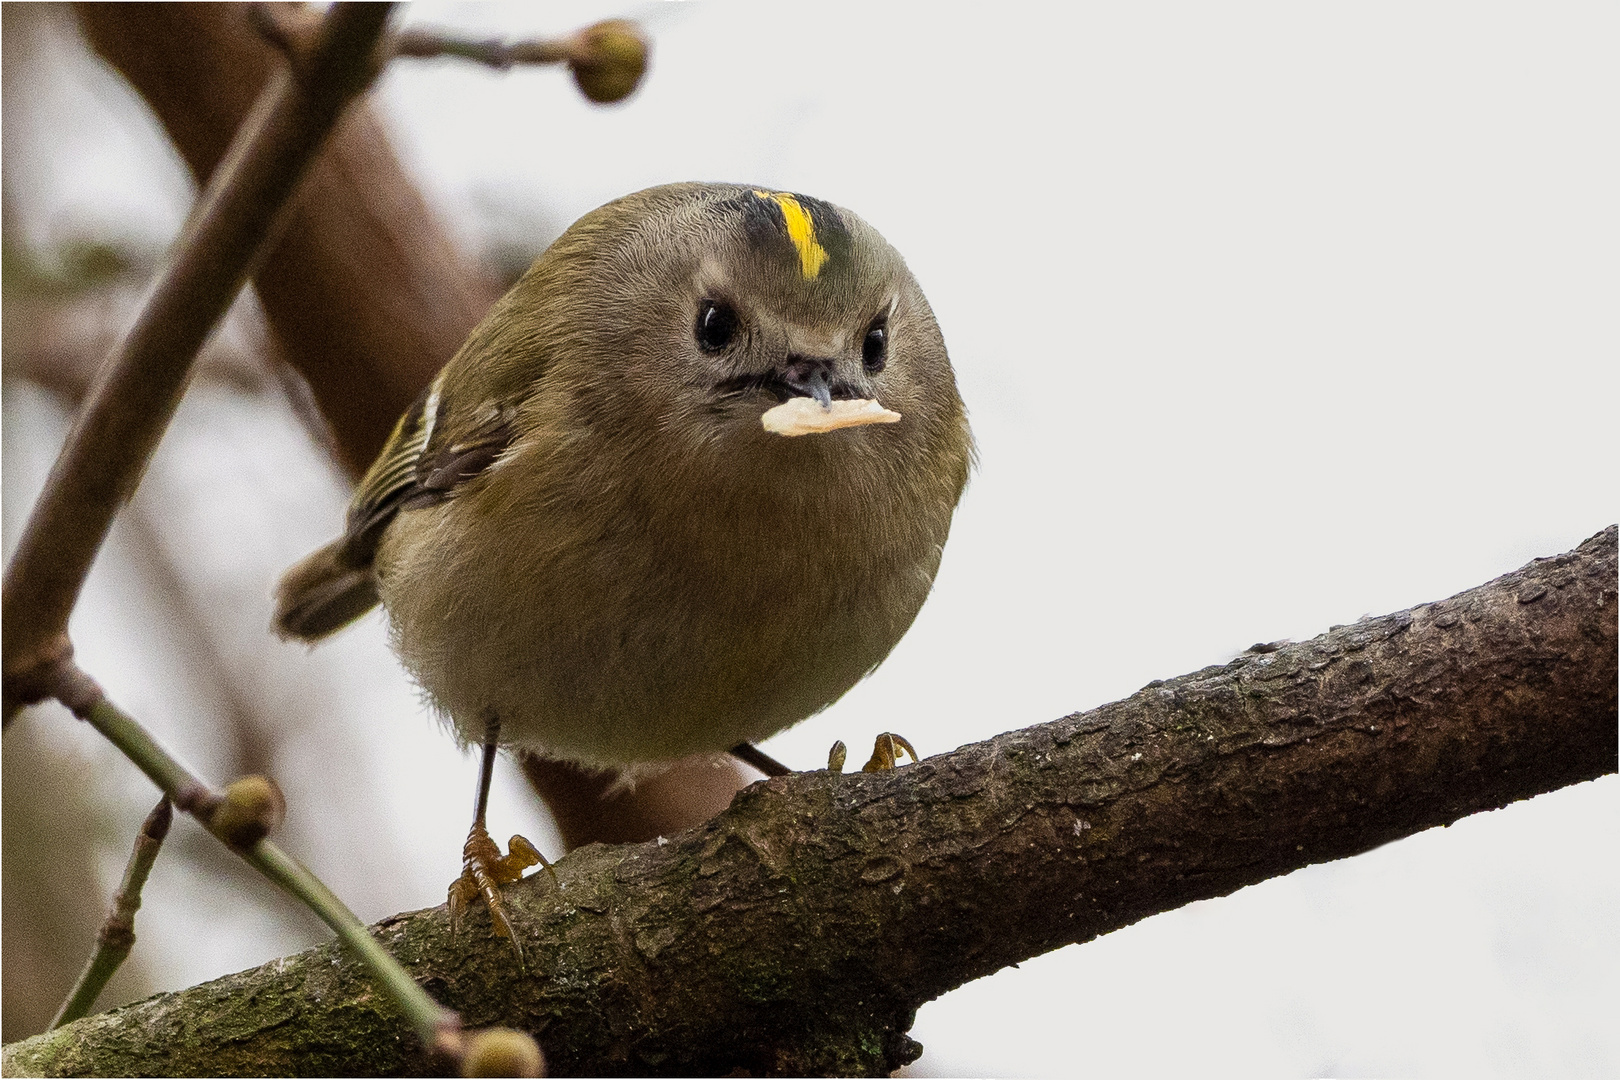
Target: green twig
(430,1019)
(117,936)
(437,1026)
(178,782)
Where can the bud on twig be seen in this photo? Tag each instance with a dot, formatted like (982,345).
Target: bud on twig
(608,60)
(251,808)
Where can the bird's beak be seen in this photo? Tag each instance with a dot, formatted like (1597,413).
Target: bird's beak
(820,388)
(811,378)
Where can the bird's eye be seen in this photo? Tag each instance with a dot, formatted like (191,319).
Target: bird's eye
(716,325)
(875,349)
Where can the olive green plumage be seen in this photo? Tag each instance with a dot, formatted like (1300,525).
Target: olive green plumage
(584,530)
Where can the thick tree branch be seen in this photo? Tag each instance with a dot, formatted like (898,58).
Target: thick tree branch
(799,931)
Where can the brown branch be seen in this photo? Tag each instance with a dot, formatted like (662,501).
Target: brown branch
(595,807)
(364,290)
(116,938)
(132,401)
(292,29)
(798,932)
(53,342)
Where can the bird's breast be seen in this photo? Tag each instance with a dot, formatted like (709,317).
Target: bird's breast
(614,622)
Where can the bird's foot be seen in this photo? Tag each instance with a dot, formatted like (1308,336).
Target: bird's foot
(885,754)
(483,870)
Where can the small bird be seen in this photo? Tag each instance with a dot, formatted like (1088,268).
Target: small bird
(685,485)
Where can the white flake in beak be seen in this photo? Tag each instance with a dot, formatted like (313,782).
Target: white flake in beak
(806,416)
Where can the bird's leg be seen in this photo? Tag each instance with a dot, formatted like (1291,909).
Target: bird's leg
(483,868)
(749,754)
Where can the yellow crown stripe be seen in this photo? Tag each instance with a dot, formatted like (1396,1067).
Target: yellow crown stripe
(801,230)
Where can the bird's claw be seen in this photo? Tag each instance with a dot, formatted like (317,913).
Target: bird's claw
(885,754)
(836,756)
(483,870)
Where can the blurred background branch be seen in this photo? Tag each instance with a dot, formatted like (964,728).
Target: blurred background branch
(363,291)
(138,389)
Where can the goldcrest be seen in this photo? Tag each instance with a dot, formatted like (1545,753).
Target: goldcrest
(590,532)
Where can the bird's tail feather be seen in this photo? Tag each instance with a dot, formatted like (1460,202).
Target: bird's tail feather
(322,594)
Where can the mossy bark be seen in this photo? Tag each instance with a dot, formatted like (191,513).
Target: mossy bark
(799,931)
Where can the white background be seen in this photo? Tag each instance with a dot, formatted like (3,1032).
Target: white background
(1268,316)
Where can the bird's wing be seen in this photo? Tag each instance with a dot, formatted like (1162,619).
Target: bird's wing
(434,449)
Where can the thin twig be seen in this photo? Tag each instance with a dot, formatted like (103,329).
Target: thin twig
(607,58)
(117,935)
(425,42)
(293,31)
(131,403)
(437,1026)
